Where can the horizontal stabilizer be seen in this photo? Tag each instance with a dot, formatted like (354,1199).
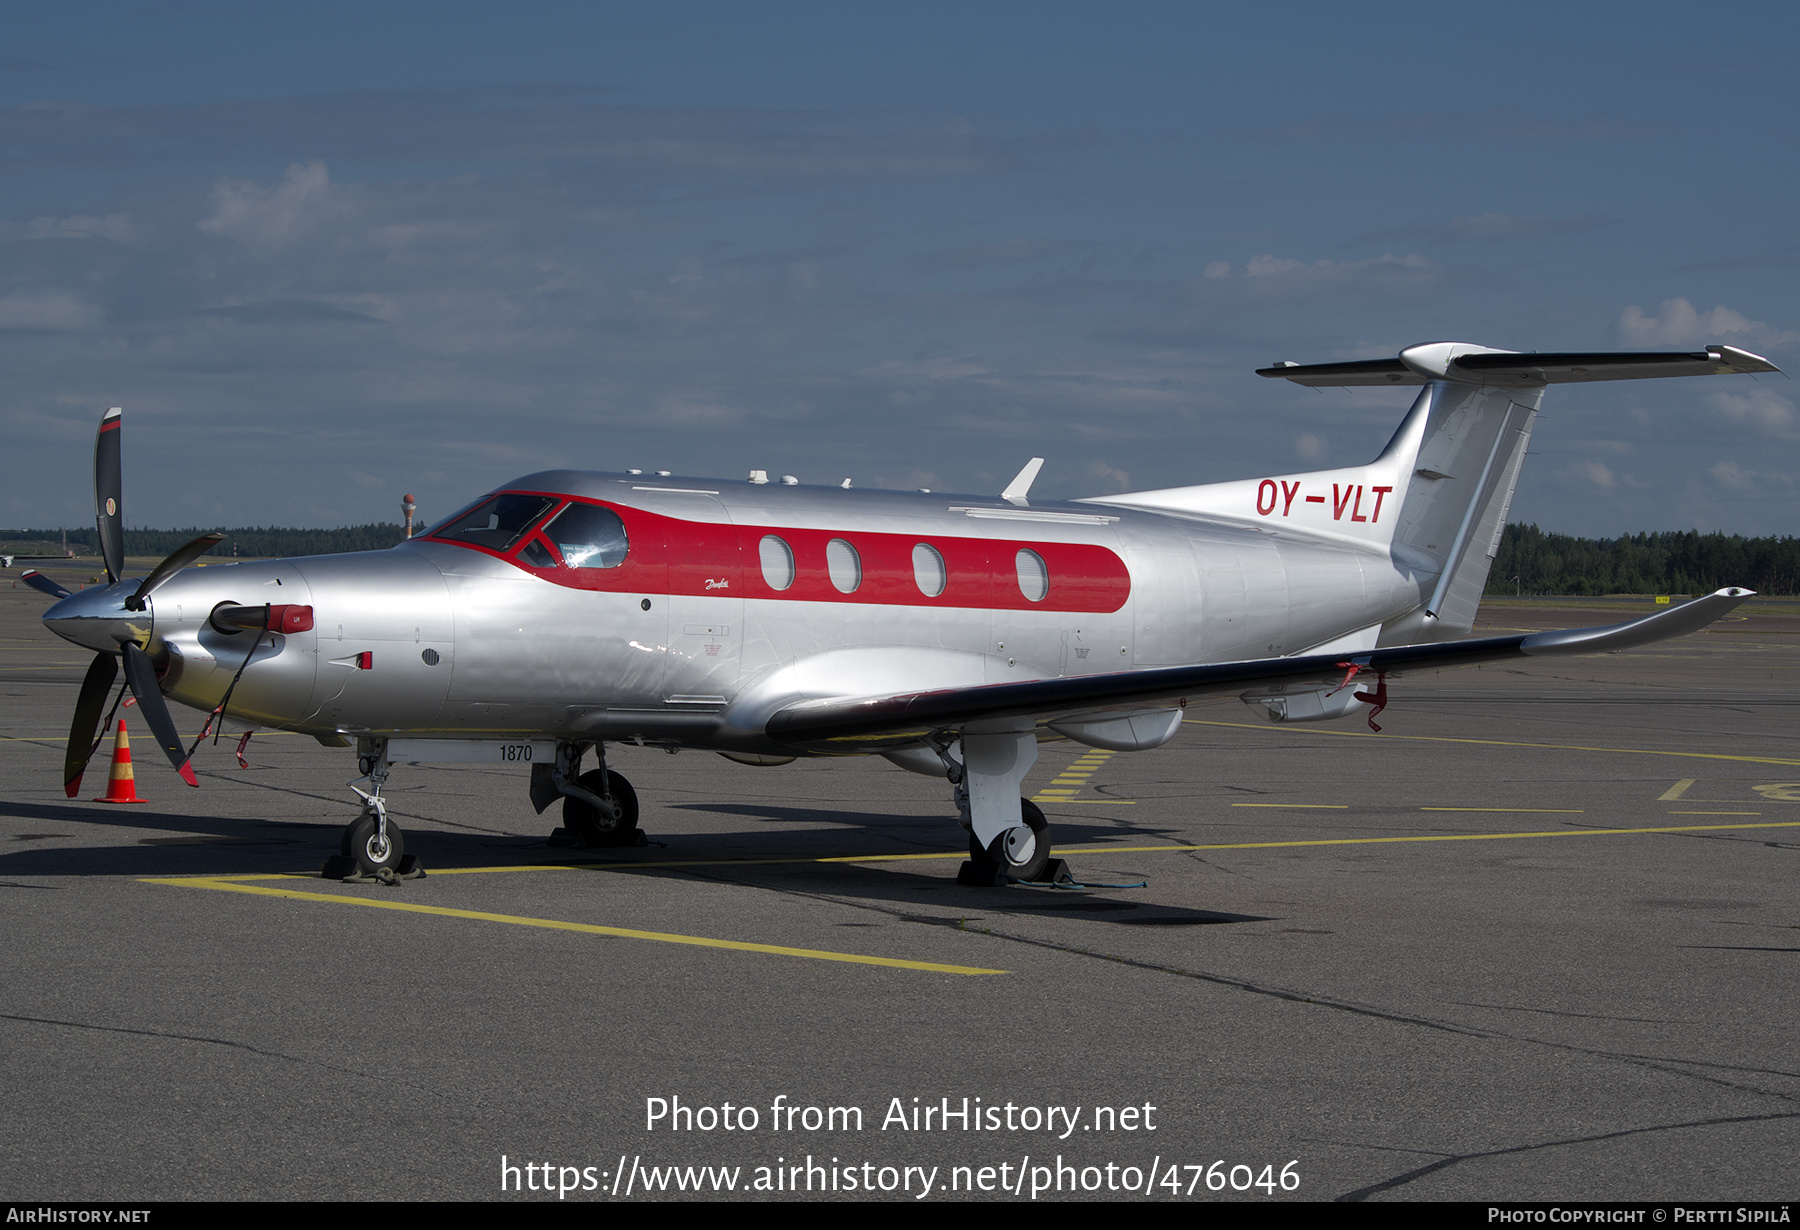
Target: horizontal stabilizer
(1481,365)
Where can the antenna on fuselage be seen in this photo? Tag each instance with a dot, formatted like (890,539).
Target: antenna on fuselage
(1020,487)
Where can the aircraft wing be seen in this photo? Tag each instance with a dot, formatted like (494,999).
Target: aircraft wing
(878,723)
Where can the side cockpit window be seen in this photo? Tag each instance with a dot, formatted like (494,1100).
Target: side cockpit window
(588,536)
(497,523)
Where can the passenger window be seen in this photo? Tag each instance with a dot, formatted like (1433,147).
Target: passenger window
(777,562)
(497,523)
(928,570)
(589,536)
(1034,577)
(843,565)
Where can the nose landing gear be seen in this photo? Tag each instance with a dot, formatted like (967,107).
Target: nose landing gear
(373,848)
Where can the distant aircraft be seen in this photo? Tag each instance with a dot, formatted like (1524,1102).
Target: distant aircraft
(767,621)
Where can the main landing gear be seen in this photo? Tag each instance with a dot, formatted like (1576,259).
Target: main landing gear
(1005,845)
(373,848)
(600,809)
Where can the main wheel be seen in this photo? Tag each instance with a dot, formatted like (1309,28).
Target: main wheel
(362,843)
(586,820)
(1022,852)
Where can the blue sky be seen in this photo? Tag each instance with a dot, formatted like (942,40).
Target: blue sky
(325,254)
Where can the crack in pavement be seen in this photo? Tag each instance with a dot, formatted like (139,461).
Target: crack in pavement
(1658,1063)
(1400,1180)
(1585,1016)
(226,1042)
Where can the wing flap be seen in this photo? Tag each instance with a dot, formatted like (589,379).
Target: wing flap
(877,723)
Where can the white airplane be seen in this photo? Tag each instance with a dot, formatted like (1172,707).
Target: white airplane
(768,621)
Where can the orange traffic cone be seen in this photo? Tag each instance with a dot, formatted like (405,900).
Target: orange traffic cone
(121,786)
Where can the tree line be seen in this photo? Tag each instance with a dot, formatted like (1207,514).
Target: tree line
(1531,561)
(253,541)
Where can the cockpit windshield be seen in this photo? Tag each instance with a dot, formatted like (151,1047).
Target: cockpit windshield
(497,523)
(588,536)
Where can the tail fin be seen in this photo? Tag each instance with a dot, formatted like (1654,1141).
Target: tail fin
(1436,498)
(1460,490)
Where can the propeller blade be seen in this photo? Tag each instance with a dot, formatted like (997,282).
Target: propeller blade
(109,495)
(42,583)
(100,675)
(177,559)
(141,675)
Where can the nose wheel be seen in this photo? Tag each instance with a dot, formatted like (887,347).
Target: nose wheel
(373,847)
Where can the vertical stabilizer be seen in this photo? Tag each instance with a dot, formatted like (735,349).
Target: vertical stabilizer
(1457,498)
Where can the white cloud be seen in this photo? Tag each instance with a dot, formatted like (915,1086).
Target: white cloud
(1496,227)
(1268,266)
(1678,323)
(47,309)
(680,411)
(1274,277)
(1734,477)
(117,227)
(275,217)
(1101,472)
(1763,411)
(931,369)
(1598,473)
(1311,448)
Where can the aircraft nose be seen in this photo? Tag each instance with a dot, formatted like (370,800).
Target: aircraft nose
(96,618)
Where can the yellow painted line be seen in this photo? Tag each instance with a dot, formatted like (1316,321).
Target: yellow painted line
(1376,841)
(1327,806)
(238,881)
(1093,802)
(1563,747)
(1677,790)
(220,880)
(553,924)
(1515,811)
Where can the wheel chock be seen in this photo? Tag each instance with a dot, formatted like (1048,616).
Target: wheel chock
(978,877)
(343,867)
(1056,872)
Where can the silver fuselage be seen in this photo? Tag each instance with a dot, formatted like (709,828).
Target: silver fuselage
(688,643)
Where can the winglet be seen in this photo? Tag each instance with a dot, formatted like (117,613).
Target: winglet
(1020,487)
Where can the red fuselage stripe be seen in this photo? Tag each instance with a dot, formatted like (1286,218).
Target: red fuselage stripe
(703,558)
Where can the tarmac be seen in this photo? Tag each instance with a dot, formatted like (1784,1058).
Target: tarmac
(1538,939)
